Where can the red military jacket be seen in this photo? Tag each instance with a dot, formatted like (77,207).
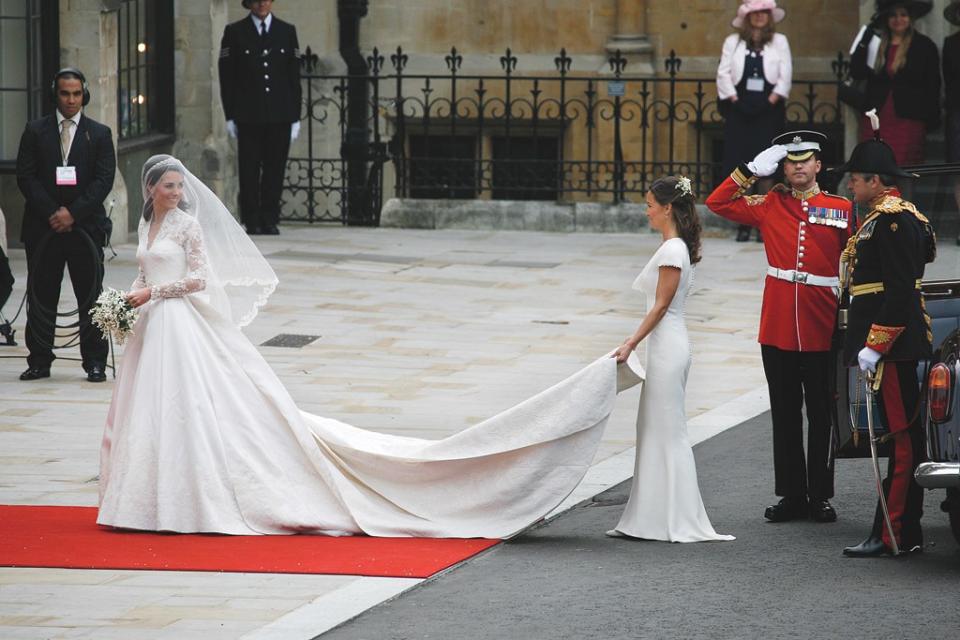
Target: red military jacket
(803,232)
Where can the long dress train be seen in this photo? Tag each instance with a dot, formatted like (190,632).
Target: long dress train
(665,502)
(201,436)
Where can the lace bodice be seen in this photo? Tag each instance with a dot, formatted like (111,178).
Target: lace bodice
(175,263)
(672,253)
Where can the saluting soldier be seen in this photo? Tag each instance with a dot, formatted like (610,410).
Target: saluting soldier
(888,330)
(804,231)
(261,95)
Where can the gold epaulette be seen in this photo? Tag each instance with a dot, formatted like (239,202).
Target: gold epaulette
(893,204)
(780,187)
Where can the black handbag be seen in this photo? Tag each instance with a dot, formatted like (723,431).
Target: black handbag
(854,94)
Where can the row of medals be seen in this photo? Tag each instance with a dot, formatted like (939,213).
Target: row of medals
(840,223)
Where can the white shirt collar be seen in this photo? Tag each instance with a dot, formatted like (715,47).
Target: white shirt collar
(257,21)
(75,119)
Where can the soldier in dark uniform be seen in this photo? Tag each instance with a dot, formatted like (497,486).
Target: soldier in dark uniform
(888,330)
(804,230)
(261,94)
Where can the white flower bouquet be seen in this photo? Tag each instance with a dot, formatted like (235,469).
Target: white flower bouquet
(112,314)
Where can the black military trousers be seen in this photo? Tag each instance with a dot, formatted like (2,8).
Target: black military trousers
(6,279)
(795,379)
(45,263)
(262,151)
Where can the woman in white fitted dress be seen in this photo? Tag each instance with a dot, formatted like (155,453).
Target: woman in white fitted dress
(665,502)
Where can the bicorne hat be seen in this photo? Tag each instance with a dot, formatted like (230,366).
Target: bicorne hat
(750,6)
(916,8)
(873,156)
(952,13)
(801,144)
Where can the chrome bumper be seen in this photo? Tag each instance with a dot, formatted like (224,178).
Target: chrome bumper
(938,475)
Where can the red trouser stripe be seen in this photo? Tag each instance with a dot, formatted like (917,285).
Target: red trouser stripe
(902,451)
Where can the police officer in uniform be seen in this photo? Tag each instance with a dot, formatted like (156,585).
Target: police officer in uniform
(804,231)
(261,95)
(888,331)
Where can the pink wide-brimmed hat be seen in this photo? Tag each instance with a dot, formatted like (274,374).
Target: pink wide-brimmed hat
(749,6)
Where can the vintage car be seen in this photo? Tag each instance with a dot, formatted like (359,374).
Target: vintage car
(942,417)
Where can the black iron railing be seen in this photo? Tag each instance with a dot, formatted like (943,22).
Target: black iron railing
(557,136)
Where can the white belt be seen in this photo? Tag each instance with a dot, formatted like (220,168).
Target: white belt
(803,277)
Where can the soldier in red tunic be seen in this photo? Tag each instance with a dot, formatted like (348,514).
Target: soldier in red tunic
(805,231)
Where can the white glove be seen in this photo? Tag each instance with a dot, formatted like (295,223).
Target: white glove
(765,164)
(231,128)
(294,131)
(868,359)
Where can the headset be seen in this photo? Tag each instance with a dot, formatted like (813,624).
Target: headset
(70,71)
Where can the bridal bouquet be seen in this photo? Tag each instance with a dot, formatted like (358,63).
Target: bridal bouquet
(112,314)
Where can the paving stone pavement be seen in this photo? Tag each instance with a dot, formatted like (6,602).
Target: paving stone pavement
(420,333)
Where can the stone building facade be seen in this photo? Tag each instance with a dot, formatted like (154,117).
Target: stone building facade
(94,34)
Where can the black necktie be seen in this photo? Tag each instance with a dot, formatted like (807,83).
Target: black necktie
(263,29)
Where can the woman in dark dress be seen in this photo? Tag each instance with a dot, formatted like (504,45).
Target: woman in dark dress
(903,84)
(753,83)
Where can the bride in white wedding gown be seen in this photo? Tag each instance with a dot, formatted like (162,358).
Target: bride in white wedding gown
(201,436)
(665,502)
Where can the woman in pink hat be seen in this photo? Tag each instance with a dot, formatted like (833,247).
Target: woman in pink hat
(753,83)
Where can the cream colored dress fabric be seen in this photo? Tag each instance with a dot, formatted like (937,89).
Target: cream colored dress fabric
(665,502)
(201,436)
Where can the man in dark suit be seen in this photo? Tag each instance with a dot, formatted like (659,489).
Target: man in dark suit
(260,89)
(65,169)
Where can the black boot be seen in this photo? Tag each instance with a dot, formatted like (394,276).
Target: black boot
(873,546)
(743,233)
(822,511)
(787,509)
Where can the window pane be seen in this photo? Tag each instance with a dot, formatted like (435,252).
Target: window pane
(13,8)
(13,44)
(13,106)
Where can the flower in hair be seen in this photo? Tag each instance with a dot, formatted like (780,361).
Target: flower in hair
(684,186)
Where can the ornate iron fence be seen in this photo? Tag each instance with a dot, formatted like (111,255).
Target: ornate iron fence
(558,136)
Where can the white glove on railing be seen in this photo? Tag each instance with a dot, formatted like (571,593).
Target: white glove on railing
(868,359)
(765,164)
(294,131)
(231,128)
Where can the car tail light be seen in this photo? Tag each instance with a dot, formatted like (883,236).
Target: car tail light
(939,385)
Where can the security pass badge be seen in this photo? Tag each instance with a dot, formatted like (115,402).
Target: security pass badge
(66,176)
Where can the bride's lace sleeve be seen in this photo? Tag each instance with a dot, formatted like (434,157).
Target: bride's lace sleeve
(141,280)
(191,239)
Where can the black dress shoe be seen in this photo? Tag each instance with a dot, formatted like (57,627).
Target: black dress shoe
(872,547)
(743,233)
(35,373)
(271,230)
(96,373)
(787,509)
(254,231)
(822,511)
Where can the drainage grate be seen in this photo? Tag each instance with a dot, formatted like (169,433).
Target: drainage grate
(289,340)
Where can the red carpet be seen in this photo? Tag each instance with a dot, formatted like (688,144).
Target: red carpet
(69,537)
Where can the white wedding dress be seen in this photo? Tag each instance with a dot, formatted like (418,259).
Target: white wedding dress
(665,502)
(201,436)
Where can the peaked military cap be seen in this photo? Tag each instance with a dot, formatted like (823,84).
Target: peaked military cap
(801,144)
